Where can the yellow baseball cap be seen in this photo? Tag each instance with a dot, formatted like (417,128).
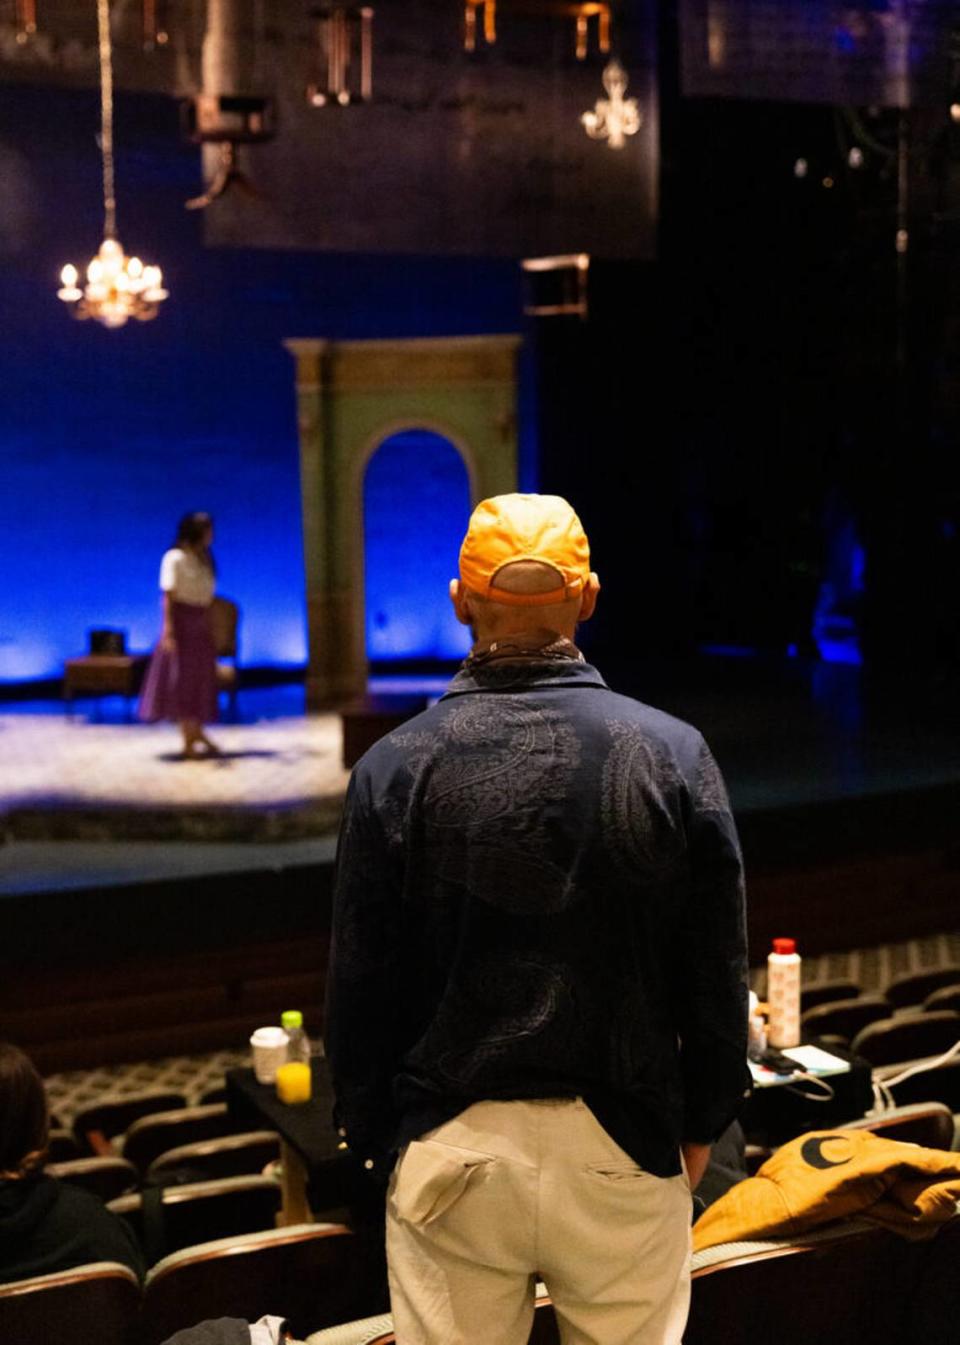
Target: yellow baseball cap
(508,528)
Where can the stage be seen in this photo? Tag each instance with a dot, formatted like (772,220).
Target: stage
(93,778)
(160,906)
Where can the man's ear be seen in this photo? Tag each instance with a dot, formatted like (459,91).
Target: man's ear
(459,598)
(588,600)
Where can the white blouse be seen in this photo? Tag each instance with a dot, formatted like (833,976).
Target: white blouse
(185,577)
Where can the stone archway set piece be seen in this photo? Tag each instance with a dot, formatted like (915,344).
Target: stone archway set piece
(351,395)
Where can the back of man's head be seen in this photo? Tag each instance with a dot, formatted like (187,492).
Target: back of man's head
(524,566)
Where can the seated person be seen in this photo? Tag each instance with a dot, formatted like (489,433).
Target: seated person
(45,1225)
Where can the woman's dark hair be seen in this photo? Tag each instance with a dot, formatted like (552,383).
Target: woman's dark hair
(24,1116)
(191,529)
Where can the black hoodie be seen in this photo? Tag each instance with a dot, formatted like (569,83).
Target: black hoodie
(46,1225)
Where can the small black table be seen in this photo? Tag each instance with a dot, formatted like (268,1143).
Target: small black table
(318,1171)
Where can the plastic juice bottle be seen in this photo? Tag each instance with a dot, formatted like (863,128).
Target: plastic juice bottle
(783,994)
(293,1077)
(298,1043)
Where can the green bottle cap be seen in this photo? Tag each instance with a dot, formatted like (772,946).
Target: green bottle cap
(291,1018)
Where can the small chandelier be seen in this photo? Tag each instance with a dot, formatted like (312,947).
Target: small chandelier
(117,287)
(613,118)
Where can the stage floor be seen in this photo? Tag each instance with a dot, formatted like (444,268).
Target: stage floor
(789,736)
(279,776)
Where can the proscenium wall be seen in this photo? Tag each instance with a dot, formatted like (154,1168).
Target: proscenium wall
(106,437)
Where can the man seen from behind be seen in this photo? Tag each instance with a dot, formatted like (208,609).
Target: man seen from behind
(537,1012)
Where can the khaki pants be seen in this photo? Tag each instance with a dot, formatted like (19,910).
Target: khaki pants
(507,1190)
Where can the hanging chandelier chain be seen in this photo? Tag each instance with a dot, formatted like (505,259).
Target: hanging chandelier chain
(106,119)
(117,287)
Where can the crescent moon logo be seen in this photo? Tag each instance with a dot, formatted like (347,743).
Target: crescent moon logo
(813,1155)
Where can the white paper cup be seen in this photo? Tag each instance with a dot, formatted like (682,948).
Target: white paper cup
(269,1052)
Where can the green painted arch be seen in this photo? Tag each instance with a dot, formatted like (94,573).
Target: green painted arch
(352,397)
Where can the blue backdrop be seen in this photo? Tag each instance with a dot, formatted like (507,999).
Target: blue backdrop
(106,437)
(411,546)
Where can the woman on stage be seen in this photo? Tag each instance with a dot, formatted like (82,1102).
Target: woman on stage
(181,681)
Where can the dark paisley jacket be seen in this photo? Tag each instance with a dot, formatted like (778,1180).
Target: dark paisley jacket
(539,893)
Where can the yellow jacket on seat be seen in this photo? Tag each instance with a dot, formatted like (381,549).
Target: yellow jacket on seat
(836,1174)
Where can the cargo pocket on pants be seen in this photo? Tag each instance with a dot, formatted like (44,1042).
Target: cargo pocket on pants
(431,1177)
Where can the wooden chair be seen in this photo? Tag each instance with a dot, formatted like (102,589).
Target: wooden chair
(96,1303)
(909,1038)
(218,1093)
(827,992)
(96,1126)
(156,1134)
(844,1017)
(245,1154)
(308,1273)
(106,1176)
(915,986)
(225,619)
(167,1220)
(929,1124)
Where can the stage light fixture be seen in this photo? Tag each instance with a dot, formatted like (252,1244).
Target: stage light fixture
(155,32)
(580,11)
(336,28)
(26,20)
(117,287)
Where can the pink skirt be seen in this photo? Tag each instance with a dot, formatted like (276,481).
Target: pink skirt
(181,683)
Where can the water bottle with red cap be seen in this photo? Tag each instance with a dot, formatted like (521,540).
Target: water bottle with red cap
(783,994)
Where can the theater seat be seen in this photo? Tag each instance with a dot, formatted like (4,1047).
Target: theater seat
(153,1135)
(366,1331)
(105,1177)
(311,1274)
(379,1330)
(929,1124)
(95,1126)
(846,1284)
(98,1303)
(915,986)
(845,1017)
(63,1145)
(940,1084)
(910,1037)
(827,992)
(947,997)
(167,1220)
(229,1156)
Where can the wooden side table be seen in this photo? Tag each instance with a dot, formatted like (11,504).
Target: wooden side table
(104,675)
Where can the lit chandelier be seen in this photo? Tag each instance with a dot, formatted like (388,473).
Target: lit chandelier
(613,118)
(117,287)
